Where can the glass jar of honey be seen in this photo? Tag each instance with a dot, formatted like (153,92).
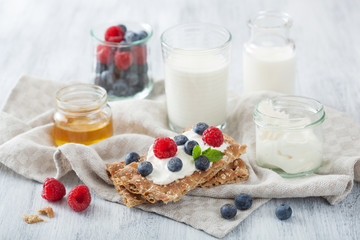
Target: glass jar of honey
(82,115)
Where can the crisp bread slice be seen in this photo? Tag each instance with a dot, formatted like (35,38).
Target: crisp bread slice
(129,178)
(129,199)
(235,172)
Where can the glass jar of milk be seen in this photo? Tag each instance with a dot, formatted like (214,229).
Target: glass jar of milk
(289,135)
(269,55)
(196,58)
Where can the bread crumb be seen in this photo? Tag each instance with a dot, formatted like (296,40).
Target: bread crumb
(48,211)
(32,218)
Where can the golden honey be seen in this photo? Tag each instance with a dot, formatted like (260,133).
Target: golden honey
(83,115)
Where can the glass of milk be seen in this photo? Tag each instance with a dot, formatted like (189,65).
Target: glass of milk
(269,55)
(196,58)
(289,135)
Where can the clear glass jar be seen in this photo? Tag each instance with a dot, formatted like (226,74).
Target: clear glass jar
(289,137)
(269,55)
(196,58)
(126,76)
(82,115)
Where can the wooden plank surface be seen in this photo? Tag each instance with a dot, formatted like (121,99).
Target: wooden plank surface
(50,39)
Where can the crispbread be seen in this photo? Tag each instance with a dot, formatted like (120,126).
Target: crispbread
(234,172)
(140,188)
(130,199)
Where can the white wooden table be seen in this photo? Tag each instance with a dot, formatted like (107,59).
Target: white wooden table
(50,39)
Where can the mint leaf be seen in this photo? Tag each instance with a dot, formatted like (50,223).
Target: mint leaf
(206,151)
(212,154)
(196,152)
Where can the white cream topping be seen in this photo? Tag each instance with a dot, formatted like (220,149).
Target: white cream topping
(292,151)
(162,175)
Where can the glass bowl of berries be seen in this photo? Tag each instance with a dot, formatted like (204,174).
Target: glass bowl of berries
(121,59)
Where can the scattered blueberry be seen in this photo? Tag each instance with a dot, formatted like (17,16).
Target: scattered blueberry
(228,211)
(174,164)
(145,168)
(283,211)
(131,157)
(200,127)
(180,140)
(189,146)
(202,163)
(243,201)
(142,34)
(131,36)
(123,27)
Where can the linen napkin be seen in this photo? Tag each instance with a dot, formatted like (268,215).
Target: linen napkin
(27,147)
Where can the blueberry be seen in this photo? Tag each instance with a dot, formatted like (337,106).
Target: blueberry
(131,157)
(142,34)
(100,67)
(202,163)
(97,79)
(145,168)
(243,201)
(120,89)
(132,79)
(200,127)
(189,146)
(124,47)
(106,79)
(228,211)
(123,27)
(131,36)
(144,80)
(180,140)
(283,211)
(142,68)
(175,164)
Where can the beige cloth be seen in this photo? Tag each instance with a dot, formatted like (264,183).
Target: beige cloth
(26,146)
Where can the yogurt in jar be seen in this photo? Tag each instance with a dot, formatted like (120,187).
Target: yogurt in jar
(293,151)
(196,88)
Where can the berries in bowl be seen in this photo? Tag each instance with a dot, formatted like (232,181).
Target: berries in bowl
(121,62)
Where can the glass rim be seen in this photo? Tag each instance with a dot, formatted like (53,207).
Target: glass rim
(145,26)
(287,19)
(310,102)
(198,51)
(72,106)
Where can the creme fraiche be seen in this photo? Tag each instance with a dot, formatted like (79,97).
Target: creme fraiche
(289,135)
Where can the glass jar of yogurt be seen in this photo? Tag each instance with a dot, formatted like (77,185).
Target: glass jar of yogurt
(289,137)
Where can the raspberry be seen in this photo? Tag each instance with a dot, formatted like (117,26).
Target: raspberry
(139,54)
(104,54)
(53,190)
(164,147)
(79,198)
(123,60)
(213,137)
(114,34)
